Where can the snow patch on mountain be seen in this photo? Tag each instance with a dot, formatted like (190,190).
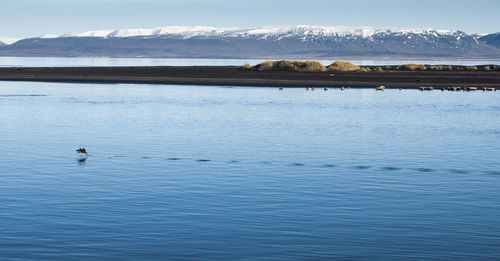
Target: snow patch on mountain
(170,30)
(50,36)
(98,33)
(8,40)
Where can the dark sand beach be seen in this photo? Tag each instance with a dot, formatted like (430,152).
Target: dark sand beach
(233,76)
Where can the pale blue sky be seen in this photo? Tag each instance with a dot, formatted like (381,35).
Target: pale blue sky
(28,18)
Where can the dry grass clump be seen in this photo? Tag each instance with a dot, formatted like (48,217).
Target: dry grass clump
(458,68)
(488,68)
(309,66)
(343,66)
(313,66)
(246,67)
(285,65)
(265,66)
(440,68)
(412,67)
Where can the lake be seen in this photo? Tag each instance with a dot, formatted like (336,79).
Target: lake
(218,173)
(107,61)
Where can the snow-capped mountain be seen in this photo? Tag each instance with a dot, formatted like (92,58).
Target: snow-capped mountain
(261,32)
(2,43)
(301,41)
(492,39)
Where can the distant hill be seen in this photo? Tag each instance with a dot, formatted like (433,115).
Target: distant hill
(294,42)
(2,43)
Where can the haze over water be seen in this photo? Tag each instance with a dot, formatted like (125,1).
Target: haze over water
(222,173)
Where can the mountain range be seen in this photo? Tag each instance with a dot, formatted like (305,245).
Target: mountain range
(294,42)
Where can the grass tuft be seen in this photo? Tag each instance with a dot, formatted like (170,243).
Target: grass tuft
(411,67)
(246,67)
(343,66)
(286,65)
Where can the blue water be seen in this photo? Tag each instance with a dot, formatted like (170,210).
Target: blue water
(107,61)
(213,173)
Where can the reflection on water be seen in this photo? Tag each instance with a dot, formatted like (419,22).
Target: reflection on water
(183,173)
(81,161)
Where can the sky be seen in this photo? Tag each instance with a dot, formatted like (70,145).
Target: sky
(31,18)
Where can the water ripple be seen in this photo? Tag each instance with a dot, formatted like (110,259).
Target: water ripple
(424,169)
(362,167)
(391,168)
(22,95)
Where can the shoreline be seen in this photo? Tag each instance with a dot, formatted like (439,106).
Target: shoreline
(232,76)
(276,58)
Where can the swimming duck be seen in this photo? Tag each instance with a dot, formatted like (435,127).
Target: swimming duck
(81,150)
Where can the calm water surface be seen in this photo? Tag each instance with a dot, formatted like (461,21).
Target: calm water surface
(209,173)
(107,61)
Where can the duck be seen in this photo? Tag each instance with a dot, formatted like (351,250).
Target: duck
(81,151)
